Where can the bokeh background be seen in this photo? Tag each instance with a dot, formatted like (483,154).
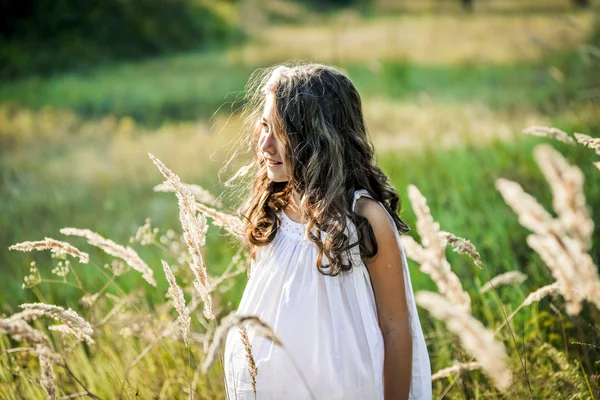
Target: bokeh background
(87,89)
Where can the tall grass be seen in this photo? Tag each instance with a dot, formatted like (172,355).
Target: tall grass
(122,342)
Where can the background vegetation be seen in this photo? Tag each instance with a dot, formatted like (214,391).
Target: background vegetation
(87,91)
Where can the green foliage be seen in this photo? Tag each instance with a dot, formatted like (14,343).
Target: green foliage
(43,37)
(328,5)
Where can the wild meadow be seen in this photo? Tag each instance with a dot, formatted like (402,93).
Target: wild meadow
(122,259)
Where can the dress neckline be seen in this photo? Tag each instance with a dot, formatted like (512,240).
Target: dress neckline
(291,220)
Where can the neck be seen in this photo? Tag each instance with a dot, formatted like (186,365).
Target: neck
(294,202)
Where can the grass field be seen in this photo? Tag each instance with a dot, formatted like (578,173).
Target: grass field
(445,108)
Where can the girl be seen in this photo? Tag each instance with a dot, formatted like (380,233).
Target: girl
(328,271)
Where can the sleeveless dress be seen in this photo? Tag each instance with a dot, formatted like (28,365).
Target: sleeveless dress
(333,347)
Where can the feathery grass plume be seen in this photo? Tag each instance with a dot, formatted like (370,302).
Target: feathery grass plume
(240,172)
(593,143)
(538,295)
(230,222)
(80,327)
(568,198)
(597,164)
(233,319)
(201,194)
(413,249)
(504,279)
(463,246)
(64,329)
(531,214)
(178,302)
(22,331)
(127,254)
(550,132)
(145,234)
(194,232)
(56,246)
(542,292)
(434,244)
(47,376)
(474,337)
(561,265)
(446,372)
(252,369)
(562,243)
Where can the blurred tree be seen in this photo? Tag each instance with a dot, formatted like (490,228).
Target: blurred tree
(331,4)
(581,3)
(43,36)
(467,5)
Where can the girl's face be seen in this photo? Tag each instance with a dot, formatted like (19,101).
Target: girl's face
(271,149)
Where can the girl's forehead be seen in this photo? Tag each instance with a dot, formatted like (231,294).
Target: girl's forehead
(268,108)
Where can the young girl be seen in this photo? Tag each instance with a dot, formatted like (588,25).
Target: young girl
(328,271)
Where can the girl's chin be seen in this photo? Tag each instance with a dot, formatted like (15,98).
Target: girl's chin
(277,178)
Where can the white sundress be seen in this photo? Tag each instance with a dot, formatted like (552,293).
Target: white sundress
(332,344)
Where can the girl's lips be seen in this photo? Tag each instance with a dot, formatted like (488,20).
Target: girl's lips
(271,164)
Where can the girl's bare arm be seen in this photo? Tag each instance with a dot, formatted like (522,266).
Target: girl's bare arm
(387,278)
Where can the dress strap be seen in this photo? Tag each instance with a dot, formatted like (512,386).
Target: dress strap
(358,194)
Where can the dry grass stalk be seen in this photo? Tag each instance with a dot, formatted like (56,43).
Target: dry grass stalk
(240,172)
(194,232)
(593,143)
(474,337)
(230,222)
(550,132)
(446,372)
(413,249)
(463,246)
(434,246)
(201,194)
(127,254)
(64,329)
(47,376)
(542,292)
(252,369)
(568,198)
(231,320)
(504,279)
(55,246)
(22,331)
(562,243)
(531,214)
(79,327)
(178,302)
(552,251)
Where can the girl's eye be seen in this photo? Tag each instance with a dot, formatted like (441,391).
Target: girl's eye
(265,127)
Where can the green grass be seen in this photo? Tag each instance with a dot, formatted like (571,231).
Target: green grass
(188,87)
(183,87)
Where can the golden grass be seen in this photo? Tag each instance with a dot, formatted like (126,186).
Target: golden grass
(474,337)
(116,327)
(178,302)
(421,39)
(504,279)
(562,242)
(55,246)
(127,254)
(194,232)
(107,152)
(431,253)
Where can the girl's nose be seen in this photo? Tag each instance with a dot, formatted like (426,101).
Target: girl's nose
(268,144)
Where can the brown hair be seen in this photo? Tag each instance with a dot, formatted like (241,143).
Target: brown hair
(318,117)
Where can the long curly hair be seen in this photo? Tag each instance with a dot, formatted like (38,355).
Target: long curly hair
(319,119)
